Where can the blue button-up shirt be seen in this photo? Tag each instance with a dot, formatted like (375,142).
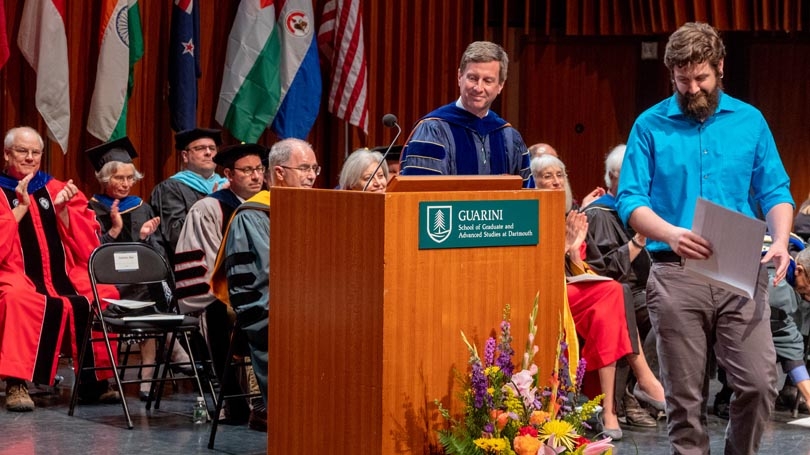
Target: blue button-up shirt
(671,160)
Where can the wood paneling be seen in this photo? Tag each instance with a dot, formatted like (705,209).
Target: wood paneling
(413,48)
(582,101)
(778,85)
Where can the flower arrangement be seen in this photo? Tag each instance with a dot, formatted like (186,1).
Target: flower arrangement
(510,413)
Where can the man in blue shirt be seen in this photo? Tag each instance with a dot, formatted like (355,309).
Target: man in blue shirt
(702,142)
(465,137)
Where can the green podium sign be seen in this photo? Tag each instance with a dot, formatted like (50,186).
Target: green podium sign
(474,224)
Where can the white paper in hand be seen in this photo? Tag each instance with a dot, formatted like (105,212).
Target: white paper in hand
(736,248)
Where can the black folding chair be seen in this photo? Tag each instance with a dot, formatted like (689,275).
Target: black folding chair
(237,357)
(136,264)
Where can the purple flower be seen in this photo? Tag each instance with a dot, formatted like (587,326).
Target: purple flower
(479,387)
(504,361)
(565,375)
(489,428)
(489,352)
(580,373)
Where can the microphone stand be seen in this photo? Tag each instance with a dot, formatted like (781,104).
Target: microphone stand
(389,120)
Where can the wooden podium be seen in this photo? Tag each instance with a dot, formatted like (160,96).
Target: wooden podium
(364,329)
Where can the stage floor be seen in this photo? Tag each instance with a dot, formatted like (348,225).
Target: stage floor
(101,429)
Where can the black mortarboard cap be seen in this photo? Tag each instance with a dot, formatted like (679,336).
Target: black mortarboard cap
(183,138)
(229,155)
(393,155)
(118,150)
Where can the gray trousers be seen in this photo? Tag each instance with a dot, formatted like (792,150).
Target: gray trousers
(690,317)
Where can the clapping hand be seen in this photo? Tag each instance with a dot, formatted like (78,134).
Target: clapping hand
(22,190)
(23,201)
(116,220)
(592,196)
(66,194)
(576,228)
(148,228)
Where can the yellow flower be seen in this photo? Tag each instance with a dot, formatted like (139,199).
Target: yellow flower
(491,370)
(559,433)
(512,402)
(491,445)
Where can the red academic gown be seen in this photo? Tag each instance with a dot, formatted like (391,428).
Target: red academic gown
(45,289)
(598,311)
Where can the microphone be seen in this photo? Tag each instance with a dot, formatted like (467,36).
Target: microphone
(389,120)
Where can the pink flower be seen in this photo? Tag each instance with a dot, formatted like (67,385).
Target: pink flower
(597,447)
(521,385)
(549,449)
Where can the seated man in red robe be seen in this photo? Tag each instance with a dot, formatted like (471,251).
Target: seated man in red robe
(48,233)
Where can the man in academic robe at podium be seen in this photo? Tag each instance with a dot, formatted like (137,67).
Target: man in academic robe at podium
(465,137)
(241,275)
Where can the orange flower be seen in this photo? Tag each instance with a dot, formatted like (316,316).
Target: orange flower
(539,417)
(526,445)
(499,418)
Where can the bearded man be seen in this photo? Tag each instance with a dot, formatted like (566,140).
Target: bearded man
(701,142)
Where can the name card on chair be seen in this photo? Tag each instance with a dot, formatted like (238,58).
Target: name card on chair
(126,260)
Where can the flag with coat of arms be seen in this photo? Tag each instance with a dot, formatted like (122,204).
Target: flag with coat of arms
(272,74)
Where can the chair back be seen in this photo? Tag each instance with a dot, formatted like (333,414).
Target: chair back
(135,268)
(128,263)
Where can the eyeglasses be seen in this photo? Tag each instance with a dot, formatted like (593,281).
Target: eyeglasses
(21,151)
(250,170)
(202,148)
(551,176)
(122,178)
(305,168)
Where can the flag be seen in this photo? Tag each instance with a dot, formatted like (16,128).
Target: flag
(42,38)
(4,51)
(184,64)
(121,47)
(341,41)
(272,76)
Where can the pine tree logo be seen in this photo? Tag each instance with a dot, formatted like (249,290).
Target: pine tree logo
(439,222)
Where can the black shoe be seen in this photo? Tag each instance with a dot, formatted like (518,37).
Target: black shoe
(235,412)
(721,405)
(787,397)
(186,369)
(258,419)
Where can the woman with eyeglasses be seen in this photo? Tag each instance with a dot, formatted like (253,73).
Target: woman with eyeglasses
(126,218)
(362,170)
